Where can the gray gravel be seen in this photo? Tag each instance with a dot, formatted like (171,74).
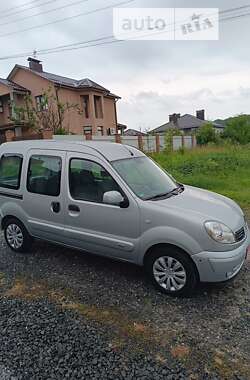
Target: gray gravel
(68,315)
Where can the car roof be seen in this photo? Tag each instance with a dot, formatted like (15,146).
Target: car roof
(109,150)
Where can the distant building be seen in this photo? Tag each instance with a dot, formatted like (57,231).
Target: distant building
(121,128)
(186,123)
(134,132)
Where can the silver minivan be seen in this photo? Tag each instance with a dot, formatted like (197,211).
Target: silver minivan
(112,200)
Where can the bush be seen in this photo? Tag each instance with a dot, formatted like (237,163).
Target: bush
(223,169)
(169,138)
(238,129)
(61,131)
(206,134)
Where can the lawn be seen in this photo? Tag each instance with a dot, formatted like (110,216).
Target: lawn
(225,170)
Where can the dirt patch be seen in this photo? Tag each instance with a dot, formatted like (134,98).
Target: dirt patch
(122,326)
(2,279)
(125,330)
(180,352)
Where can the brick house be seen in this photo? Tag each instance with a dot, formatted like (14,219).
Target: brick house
(98,114)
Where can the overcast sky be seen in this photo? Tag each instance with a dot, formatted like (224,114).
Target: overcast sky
(154,78)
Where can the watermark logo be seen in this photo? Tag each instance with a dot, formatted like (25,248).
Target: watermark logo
(166,23)
(197,24)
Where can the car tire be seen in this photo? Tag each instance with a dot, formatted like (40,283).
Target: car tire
(171,271)
(17,236)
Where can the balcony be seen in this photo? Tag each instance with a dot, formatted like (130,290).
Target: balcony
(7,112)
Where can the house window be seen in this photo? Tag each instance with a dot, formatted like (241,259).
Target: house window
(44,175)
(85,103)
(100,131)
(87,130)
(18,132)
(41,103)
(10,171)
(98,107)
(111,131)
(10,109)
(1,106)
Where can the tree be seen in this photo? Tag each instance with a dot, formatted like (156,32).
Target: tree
(171,132)
(238,129)
(48,113)
(206,134)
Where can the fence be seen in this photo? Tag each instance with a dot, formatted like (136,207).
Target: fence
(37,136)
(10,135)
(147,144)
(187,142)
(2,138)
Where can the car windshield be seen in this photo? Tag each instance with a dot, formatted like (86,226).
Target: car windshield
(144,177)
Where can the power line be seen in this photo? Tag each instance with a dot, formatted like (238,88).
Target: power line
(88,44)
(102,41)
(19,6)
(44,12)
(78,43)
(75,16)
(236,16)
(26,9)
(66,18)
(58,47)
(235,9)
(85,47)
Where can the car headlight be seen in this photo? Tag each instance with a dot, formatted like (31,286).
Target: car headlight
(220,232)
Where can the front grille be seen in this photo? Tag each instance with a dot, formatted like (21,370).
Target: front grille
(240,235)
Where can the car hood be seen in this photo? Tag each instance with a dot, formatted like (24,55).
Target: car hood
(209,206)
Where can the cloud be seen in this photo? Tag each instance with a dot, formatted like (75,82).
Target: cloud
(152,109)
(244,91)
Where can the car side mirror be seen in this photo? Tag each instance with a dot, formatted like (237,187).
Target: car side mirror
(115,198)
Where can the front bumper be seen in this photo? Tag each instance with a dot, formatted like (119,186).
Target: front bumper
(221,266)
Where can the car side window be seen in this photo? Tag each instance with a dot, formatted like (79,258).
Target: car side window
(44,175)
(10,171)
(88,181)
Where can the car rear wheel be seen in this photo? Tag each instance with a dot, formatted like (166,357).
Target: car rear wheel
(16,236)
(172,271)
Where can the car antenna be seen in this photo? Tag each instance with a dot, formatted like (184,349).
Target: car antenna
(130,151)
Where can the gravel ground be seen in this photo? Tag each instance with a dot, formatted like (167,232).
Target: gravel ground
(68,315)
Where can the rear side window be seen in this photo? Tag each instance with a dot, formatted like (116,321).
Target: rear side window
(10,171)
(44,175)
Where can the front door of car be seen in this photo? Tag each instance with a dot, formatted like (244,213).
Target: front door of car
(43,198)
(92,225)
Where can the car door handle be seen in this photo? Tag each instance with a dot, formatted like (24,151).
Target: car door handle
(55,207)
(74,208)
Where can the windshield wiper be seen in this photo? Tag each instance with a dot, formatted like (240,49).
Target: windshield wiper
(164,195)
(175,191)
(178,190)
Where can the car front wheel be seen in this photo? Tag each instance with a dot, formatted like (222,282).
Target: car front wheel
(172,271)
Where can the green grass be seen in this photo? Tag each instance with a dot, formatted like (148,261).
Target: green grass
(225,170)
